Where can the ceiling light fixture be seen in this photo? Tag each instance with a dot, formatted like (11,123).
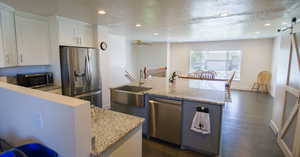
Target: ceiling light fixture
(267,24)
(138,25)
(257,32)
(155,34)
(224,14)
(101,12)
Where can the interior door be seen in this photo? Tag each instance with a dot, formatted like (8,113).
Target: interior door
(289,136)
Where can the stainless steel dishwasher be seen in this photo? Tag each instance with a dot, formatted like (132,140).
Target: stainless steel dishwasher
(165,119)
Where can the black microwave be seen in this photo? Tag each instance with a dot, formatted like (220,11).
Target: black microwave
(35,79)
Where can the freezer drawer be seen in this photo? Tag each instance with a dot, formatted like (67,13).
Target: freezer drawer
(165,120)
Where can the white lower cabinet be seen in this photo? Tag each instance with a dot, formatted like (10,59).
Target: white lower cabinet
(32,40)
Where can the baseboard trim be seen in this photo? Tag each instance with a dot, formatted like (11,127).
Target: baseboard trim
(243,90)
(106,107)
(274,127)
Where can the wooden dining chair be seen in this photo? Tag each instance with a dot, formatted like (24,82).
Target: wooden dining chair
(228,87)
(195,74)
(208,75)
(262,82)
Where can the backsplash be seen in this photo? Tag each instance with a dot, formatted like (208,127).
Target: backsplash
(12,71)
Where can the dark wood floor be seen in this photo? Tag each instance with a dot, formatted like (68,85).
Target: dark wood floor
(245,132)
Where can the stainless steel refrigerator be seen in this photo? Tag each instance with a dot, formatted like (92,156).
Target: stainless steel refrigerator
(80,73)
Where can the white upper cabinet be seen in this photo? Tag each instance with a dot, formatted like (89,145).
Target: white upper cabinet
(67,33)
(8,52)
(75,33)
(33,40)
(86,35)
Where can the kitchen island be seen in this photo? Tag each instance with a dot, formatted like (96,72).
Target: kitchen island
(195,90)
(169,110)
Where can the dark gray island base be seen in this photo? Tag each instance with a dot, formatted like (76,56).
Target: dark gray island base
(169,117)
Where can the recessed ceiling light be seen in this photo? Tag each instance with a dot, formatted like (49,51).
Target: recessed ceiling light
(257,32)
(138,25)
(155,34)
(101,12)
(224,13)
(267,24)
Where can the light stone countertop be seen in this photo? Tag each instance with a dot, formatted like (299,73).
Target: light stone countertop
(109,127)
(212,92)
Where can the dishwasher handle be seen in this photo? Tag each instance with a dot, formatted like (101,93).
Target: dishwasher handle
(164,101)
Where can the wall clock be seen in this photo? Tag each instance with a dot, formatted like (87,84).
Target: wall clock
(103,45)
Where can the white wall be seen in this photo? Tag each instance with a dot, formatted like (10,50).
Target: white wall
(56,121)
(114,61)
(256,57)
(151,56)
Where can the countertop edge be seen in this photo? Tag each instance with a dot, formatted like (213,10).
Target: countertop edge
(221,103)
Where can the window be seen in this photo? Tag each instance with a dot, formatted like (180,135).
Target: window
(224,63)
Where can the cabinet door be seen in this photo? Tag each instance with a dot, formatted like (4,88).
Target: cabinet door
(68,33)
(85,33)
(33,41)
(208,143)
(3,56)
(9,38)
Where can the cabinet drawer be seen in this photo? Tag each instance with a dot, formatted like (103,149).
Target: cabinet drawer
(206,143)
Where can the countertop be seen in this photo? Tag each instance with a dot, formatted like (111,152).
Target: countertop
(69,101)
(108,127)
(47,88)
(212,92)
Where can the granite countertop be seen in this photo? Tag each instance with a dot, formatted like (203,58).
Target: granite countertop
(196,90)
(108,127)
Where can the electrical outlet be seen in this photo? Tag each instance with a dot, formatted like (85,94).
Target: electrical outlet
(39,121)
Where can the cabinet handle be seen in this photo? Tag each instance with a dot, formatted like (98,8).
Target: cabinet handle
(7,59)
(78,40)
(21,58)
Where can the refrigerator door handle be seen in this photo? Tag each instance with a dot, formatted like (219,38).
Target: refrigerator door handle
(89,69)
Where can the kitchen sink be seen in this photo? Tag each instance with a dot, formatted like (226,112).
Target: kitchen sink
(133,88)
(129,95)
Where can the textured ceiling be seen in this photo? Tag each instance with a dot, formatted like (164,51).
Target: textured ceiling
(174,20)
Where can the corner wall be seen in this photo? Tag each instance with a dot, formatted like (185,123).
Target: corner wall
(153,55)
(114,61)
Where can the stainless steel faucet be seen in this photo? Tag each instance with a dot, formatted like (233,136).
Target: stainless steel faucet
(132,79)
(141,80)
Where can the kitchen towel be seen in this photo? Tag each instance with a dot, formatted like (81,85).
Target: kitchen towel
(201,121)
